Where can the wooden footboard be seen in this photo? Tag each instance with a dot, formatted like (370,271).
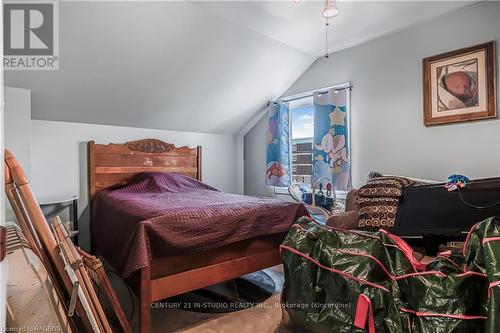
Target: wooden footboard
(152,290)
(145,300)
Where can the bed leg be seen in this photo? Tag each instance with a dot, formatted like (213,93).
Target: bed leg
(145,301)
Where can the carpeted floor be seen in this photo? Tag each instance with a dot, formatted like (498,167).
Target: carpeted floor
(263,318)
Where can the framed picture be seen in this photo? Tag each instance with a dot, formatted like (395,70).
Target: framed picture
(460,85)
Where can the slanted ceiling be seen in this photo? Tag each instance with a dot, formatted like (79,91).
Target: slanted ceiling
(191,66)
(162,65)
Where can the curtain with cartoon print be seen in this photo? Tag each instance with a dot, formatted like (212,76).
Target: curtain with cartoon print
(331,155)
(278,164)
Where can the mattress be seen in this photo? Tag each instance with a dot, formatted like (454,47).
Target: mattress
(167,214)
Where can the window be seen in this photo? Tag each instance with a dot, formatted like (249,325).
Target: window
(302,132)
(318,137)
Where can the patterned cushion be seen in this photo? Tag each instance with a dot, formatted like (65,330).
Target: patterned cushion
(376,213)
(378,202)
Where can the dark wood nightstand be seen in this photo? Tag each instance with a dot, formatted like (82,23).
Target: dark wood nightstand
(52,207)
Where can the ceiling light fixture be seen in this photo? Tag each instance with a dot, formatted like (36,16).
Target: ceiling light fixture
(326,37)
(330,10)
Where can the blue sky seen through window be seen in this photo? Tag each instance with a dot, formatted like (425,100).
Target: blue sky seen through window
(302,122)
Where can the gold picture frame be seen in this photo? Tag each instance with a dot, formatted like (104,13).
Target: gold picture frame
(460,85)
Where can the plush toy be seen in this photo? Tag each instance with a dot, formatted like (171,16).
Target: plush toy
(329,189)
(456,182)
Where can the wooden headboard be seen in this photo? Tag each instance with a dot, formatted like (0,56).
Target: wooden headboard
(115,164)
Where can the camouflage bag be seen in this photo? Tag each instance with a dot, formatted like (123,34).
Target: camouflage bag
(354,281)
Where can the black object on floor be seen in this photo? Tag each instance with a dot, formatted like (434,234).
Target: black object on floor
(235,295)
(432,210)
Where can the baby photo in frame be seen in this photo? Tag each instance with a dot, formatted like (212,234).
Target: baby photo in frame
(460,85)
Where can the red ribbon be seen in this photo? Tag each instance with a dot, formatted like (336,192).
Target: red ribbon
(364,313)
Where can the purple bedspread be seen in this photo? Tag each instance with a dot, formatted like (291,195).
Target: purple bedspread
(167,214)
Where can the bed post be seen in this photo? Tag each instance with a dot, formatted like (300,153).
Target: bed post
(198,163)
(91,188)
(145,300)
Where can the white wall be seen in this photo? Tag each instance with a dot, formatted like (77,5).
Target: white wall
(59,158)
(18,120)
(255,160)
(17,134)
(388,134)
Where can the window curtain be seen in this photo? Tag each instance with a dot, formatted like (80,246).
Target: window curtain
(331,156)
(278,164)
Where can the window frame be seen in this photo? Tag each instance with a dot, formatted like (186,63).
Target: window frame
(309,94)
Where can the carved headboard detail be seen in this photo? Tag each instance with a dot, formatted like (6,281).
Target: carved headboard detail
(150,146)
(115,164)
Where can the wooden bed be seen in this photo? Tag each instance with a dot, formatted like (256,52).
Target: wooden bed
(115,164)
